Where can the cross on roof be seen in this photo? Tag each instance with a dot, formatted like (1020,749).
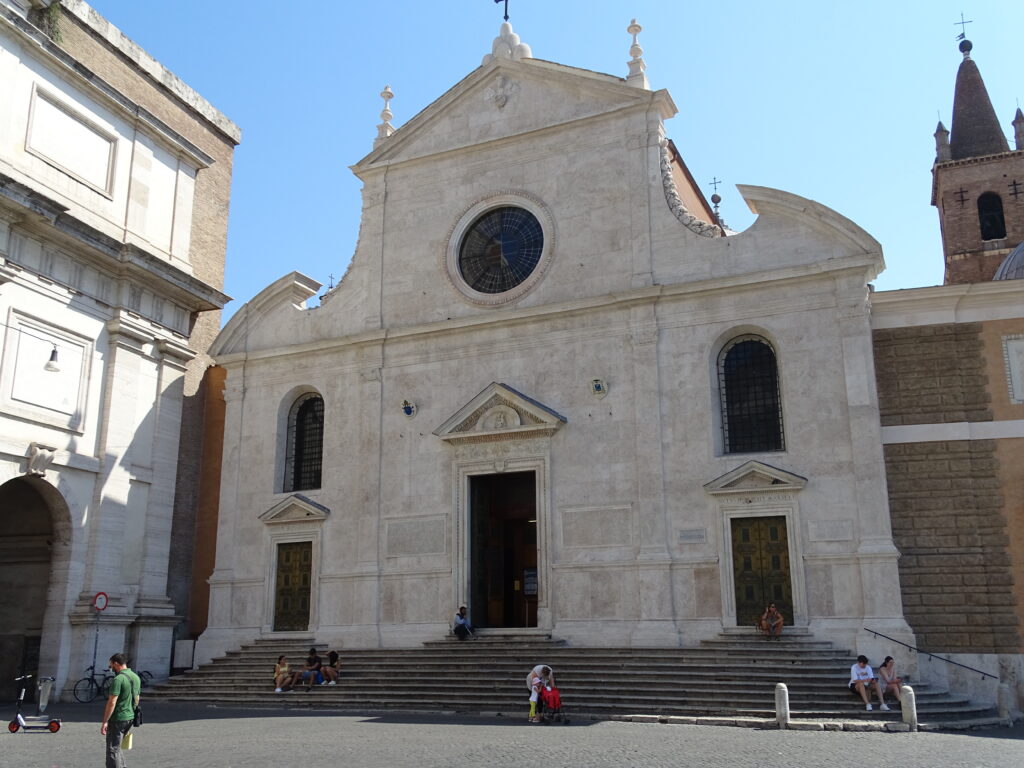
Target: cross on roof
(506,7)
(962,24)
(715,182)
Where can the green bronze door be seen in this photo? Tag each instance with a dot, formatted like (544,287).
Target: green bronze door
(292,587)
(760,567)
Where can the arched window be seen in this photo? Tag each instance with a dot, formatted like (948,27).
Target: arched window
(748,384)
(990,217)
(304,457)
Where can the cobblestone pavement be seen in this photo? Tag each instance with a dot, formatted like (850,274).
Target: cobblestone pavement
(182,735)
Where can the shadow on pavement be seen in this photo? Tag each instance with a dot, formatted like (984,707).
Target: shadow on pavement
(156,713)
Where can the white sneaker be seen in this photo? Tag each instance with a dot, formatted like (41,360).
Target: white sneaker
(868,707)
(278,690)
(884,707)
(332,683)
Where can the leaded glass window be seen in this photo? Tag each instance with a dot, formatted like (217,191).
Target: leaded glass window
(748,383)
(500,250)
(304,458)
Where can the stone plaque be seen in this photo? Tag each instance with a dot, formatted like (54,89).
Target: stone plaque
(422,536)
(1013,352)
(830,530)
(693,536)
(597,527)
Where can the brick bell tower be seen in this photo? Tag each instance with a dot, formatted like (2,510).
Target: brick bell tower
(977,182)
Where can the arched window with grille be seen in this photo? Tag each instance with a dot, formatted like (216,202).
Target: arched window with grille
(305,447)
(748,384)
(990,216)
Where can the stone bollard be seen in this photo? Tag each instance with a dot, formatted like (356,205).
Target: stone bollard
(782,705)
(909,706)
(1004,699)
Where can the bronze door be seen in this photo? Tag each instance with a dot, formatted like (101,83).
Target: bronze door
(292,587)
(760,567)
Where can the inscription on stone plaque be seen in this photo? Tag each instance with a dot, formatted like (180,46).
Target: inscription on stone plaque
(693,536)
(830,530)
(1013,352)
(423,536)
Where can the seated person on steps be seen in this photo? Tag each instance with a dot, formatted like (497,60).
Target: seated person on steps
(889,681)
(461,626)
(862,677)
(771,622)
(332,668)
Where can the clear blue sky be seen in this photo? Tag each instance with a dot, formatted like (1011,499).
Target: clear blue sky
(836,102)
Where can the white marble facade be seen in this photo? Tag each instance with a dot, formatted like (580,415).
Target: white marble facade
(598,374)
(95,224)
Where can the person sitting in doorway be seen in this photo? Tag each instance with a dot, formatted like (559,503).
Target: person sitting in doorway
(888,680)
(771,622)
(332,668)
(461,626)
(862,678)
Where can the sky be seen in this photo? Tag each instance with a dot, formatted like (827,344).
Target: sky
(836,102)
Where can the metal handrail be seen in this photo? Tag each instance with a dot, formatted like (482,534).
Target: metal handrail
(932,655)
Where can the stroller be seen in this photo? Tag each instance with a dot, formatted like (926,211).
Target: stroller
(551,706)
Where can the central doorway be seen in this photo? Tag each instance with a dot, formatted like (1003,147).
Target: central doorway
(503,584)
(760,561)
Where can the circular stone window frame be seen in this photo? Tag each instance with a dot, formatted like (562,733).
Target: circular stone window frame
(505,198)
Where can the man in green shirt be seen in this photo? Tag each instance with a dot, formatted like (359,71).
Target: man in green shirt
(120,710)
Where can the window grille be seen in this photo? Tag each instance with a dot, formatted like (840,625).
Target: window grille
(748,384)
(990,217)
(304,461)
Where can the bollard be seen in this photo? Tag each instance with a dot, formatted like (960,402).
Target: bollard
(1003,701)
(782,705)
(909,706)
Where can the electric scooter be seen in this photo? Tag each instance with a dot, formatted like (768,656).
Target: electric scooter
(37,722)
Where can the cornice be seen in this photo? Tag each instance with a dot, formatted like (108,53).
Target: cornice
(118,259)
(961,303)
(504,317)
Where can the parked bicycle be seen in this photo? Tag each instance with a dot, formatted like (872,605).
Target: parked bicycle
(88,688)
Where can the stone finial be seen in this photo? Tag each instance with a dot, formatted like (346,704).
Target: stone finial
(507,45)
(385,129)
(637,67)
(965,48)
(942,151)
(1018,130)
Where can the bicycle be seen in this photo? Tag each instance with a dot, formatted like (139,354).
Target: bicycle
(88,688)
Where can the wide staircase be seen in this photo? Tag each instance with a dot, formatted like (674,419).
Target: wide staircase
(733,675)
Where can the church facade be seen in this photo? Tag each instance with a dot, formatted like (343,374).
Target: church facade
(553,388)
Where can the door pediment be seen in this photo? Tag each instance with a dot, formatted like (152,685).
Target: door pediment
(499,412)
(295,509)
(755,477)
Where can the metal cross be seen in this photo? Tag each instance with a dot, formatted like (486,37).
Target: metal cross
(331,284)
(961,196)
(506,8)
(962,24)
(1015,189)
(715,182)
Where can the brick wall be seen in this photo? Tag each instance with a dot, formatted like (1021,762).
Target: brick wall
(947,522)
(969,259)
(933,374)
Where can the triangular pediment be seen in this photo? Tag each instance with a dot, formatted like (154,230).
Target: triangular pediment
(755,477)
(508,98)
(499,412)
(296,509)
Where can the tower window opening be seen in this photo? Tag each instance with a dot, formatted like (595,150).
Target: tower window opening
(990,217)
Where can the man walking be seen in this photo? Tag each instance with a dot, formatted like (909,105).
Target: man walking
(119,713)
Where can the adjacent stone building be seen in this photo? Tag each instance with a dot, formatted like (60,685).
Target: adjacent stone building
(552,387)
(114,189)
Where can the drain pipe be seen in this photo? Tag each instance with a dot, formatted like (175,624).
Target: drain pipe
(782,705)
(908,703)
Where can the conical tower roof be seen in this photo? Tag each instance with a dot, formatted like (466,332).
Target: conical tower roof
(975,128)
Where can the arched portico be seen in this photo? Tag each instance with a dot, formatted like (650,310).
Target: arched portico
(35,549)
